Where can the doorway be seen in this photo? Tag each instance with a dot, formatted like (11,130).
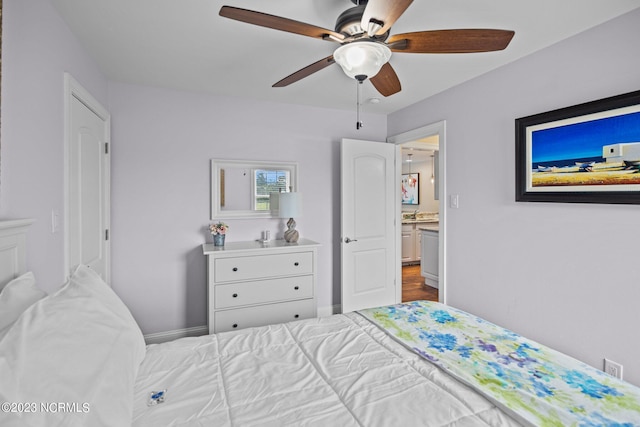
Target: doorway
(423,213)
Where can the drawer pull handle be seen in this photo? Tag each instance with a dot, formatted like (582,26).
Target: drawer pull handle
(296,263)
(296,316)
(235,268)
(296,287)
(235,295)
(235,325)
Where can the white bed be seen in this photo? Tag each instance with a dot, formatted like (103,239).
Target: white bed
(78,358)
(81,348)
(335,371)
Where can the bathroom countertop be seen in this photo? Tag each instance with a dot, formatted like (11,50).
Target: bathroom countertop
(430,227)
(419,217)
(419,221)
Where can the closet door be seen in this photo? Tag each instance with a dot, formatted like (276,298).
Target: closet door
(88,194)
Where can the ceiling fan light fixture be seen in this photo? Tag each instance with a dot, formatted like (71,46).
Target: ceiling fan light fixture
(362,58)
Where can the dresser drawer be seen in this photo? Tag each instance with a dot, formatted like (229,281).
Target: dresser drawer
(263,291)
(262,266)
(239,318)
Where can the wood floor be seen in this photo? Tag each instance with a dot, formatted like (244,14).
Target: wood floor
(413,287)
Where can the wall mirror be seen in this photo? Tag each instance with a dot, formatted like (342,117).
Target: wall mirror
(241,188)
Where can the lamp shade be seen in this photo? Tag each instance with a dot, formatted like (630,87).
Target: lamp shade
(363,58)
(290,205)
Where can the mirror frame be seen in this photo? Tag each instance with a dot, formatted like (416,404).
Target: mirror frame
(218,164)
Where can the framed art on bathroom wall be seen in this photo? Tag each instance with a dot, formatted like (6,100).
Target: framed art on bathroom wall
(410,189)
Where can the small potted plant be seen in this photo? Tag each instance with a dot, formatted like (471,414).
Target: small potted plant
(218,231)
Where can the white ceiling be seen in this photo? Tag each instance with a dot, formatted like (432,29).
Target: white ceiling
(184,44)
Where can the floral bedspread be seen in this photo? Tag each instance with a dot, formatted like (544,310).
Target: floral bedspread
(538,384)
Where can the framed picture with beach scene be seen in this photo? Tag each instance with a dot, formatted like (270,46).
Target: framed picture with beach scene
(587,153)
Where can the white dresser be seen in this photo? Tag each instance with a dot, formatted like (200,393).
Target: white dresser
(255,284)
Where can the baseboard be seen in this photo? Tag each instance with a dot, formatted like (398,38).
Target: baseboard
(196,331)
(161,337)
(329,310)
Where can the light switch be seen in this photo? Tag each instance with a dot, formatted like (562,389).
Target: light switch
(454,201)
(54,221)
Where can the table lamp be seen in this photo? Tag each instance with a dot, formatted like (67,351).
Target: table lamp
(290,205)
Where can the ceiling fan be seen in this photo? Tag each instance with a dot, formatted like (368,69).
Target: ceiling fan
(363,32)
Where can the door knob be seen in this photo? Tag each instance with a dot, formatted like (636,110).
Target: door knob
(348,240)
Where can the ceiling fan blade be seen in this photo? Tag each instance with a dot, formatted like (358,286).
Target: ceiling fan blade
(305,72)
(451,41)
(386,81)
(279,23)
(384,12)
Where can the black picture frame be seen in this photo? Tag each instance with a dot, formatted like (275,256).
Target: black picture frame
(572,134)
(410,190)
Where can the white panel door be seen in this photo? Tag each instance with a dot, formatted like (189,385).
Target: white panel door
(88,189)
(369,240)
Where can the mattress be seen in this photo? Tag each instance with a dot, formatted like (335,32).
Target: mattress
(341,370)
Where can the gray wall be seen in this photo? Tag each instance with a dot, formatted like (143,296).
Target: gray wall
(37,48)
(563,274)
(163,141)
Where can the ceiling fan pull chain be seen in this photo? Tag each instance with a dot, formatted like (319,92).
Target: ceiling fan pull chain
(359,80)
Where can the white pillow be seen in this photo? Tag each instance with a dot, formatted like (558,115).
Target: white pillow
(18,295)
(80,347)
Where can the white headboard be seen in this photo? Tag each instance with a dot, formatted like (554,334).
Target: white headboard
(13,249)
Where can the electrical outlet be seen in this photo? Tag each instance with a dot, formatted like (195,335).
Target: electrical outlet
(613,368)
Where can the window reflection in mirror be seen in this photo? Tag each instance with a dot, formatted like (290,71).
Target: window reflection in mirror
(241,189)
(269,181)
